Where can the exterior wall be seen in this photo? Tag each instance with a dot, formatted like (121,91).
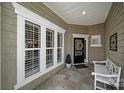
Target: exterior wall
(73,29)
(9,41)
(44,11)
(115,23)
(0,45)
(97,53)
(94,53)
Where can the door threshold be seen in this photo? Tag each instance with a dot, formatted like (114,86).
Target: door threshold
(80,63)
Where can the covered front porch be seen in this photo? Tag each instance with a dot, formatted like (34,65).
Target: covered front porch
(69,79)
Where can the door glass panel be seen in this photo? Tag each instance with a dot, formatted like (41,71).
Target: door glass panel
(78,50)
(78,44)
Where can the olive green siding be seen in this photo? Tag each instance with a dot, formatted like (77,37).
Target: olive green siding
(44,11)
(94,53)
(9,42)
(73,29)
(8,45)
(97,53)
(115,24)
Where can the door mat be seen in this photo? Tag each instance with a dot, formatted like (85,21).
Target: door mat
(81,66)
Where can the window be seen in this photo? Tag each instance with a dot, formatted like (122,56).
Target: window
(49,47)
(59,46)
(32,48)
(96,41)
(32,58)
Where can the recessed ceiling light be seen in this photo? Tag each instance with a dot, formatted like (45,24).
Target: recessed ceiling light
(83,12)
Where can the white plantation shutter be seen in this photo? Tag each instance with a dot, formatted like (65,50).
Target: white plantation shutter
(32,35)
(59,45)
(32,48)
(59,55)
(31,62)
(32,58)
(49,57)
(49,47)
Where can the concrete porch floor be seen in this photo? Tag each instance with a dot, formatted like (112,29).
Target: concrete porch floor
(69,79)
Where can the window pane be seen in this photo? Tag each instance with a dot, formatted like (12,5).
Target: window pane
(49,57)
(59,55)
(32,35)
(59,40)
(49,38)
(59,45)
(28,34)
(32,61)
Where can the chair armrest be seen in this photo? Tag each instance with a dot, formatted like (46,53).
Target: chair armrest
(99,62)
(105,75)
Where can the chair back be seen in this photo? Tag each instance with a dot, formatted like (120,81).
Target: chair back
(114,69)
(118,77)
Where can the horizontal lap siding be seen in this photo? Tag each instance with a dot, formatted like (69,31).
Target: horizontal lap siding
(93,52)
(115,23)
(9,39)
(73,29)
(97,53)
(44,11)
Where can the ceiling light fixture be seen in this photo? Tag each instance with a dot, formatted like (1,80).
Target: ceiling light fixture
(83,12)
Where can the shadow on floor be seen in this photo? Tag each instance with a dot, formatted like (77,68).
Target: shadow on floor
(69,79)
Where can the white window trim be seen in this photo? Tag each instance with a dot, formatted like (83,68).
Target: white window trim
(20,10)
(25,14)
(80,36)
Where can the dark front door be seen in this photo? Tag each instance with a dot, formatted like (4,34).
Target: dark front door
(78,50)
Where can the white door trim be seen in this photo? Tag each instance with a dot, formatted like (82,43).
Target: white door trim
(80,36)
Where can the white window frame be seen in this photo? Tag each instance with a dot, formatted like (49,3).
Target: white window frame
(51,47)
(26,49)
(25,14)
(59,47)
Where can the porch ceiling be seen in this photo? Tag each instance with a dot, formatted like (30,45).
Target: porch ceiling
(71,12)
